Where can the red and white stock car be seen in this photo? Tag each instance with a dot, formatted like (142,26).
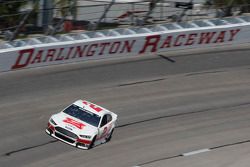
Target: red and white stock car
(82,124)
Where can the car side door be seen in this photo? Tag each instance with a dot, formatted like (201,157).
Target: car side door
(105,126)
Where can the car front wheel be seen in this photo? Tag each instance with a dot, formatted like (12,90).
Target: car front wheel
(92,143)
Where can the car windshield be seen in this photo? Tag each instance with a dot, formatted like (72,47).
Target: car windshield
(82,114)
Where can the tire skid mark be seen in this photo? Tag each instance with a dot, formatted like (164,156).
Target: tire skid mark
(167,58)
(182,114)
(141,82)
(28,148)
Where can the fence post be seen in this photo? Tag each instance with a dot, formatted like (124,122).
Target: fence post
(47,15)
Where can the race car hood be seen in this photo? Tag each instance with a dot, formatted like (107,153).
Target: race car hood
(74,125)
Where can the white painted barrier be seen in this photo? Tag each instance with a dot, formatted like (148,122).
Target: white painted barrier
(119,42)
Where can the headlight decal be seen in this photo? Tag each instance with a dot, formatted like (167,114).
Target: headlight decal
(52,121)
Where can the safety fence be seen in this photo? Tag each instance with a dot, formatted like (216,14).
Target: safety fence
(49,50)
(100,14)
(84,13)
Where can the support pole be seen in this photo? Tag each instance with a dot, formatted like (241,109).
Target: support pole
(152,6)
(47,15)
(103,15)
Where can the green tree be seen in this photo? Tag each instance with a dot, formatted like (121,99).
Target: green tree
(227,5)
(10,13)
(66,7)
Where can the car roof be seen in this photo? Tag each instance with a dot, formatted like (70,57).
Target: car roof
(94,108)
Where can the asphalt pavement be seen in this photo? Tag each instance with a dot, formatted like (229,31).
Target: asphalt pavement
(189,110)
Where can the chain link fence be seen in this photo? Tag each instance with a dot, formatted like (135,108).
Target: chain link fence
(32,17)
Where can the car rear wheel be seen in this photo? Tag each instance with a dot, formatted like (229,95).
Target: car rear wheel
(109,136)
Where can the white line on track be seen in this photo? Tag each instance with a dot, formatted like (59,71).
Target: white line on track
(196,152)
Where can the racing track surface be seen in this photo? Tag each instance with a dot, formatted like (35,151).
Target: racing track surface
(167,107)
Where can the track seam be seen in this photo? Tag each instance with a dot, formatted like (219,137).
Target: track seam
(194,152)
(181,114)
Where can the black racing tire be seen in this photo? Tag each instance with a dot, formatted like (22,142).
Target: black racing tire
(92,143)
(110,136)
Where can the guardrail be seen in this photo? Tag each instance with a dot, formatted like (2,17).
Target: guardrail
(48,50)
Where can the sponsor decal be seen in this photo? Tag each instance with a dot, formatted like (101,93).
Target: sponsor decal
(137,45)
(83,141)
(28,57)
(73,122)
(69,128)
(93,106)
(105,132)
(155,43)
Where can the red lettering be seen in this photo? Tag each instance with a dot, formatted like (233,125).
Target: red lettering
(58,57)
(128,46)
(77,124)
(220,37)
(233,33)
(27,55)
(206,37)
(38,57)
(190,40)
(114,47)
(177,40)
(50,54)
(93,106)
(79,51)
(103,45)
(167,42)
(91,50)
(105,130)
(96,108)
(153,41)
(69,53)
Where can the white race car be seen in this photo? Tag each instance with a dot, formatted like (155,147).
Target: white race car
(82,124)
